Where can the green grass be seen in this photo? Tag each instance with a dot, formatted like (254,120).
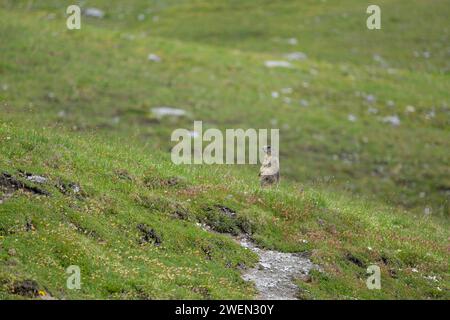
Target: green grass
(97,229)
(75,105)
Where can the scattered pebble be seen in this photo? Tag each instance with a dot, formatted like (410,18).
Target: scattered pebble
(277,64)
(287,100)
(304,103)
(37,179)
(292,41)
(372,110)
(168,111)
(410,109)
(275,94)
(370,98)
(94,13)
(351,118)
(313,72)
(296,56)
(141,17)
(115,120)
(154,58)
(430,115)
(286,90)
(393,120)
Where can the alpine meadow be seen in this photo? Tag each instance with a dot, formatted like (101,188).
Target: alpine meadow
(92,205)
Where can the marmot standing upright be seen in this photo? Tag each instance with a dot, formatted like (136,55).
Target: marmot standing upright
(269,172)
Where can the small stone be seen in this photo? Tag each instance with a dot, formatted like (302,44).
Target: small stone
(410,109)
(277,64)
(370,98)
(372,110)
(304,103)
(265,265)
(296,56)
(12,252)
(351,118)
(154,58)
(168,111)
(393,120)
(37,179)
(292,41)
(94,13)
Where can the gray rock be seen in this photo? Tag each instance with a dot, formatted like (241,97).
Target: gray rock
(161,112)
(296,56)
(37,179)
(94,13)
(277,64)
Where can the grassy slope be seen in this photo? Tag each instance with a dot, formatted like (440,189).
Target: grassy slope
(123,186)
(213,67)
(101,73)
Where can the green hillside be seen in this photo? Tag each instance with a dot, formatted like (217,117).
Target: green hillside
(364,130)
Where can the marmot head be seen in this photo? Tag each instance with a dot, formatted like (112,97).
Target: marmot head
(267,149)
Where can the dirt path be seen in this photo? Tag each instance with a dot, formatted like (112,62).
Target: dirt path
(275,273)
